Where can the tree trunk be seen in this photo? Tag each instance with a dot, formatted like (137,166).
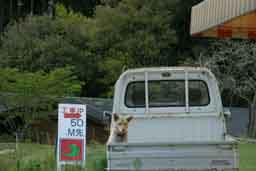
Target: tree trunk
(50,8)
(249,126)
(32,7)
(11,9)
(254,123)
(1,16)
(19,4)
(44,7)
(252,118)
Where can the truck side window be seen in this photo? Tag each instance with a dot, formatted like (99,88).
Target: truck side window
(135,94)
(198,93)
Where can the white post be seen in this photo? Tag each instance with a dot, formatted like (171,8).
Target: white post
(187,91)
(59,167)
(17,142)
(146,94)
(58,148)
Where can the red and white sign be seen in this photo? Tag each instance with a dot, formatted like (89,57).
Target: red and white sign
(71,134)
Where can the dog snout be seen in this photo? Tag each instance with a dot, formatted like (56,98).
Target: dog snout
(122,130)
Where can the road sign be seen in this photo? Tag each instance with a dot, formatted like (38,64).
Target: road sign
(71,134)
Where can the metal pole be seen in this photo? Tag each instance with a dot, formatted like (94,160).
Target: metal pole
(146,94)
(187,91)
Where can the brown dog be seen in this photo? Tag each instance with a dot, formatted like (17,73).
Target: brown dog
(119,130)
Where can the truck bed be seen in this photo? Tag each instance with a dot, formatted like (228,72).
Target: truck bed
(189,156)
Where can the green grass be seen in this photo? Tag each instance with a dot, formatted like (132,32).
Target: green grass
(35,157)
(247,157)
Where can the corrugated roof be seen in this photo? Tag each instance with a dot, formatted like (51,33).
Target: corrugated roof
(210,13)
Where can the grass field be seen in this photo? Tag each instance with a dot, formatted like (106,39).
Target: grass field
(247,157)
(35,157)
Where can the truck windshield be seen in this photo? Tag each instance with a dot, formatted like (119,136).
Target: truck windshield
(167,93)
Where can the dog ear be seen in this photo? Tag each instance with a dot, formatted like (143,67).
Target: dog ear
(129,118)
(116,116)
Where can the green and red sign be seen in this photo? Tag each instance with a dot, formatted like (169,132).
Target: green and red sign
(71,149)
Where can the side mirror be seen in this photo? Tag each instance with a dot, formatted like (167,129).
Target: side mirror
(107,116)
(227,113)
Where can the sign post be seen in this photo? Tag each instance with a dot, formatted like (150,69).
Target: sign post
(71,145)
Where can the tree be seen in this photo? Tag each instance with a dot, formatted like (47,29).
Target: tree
(26,92)
(127,34)
(43,43)
(112,68)
(140,29)
(181,24)
(17,9)
(86,7)
(234,63)
(133,34)
(40,43)
(30,96)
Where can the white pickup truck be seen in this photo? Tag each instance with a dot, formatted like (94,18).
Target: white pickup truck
(178,125)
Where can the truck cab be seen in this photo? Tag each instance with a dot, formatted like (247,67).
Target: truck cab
(179,122)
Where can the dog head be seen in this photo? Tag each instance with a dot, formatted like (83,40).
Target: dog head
(121,124)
